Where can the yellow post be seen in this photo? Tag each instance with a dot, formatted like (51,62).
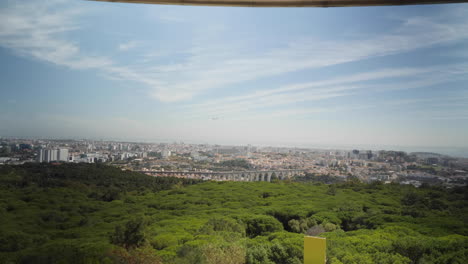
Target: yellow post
(315,249)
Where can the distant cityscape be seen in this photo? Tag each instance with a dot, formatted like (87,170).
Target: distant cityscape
(244,163)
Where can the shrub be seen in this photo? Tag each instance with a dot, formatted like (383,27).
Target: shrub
(261,225)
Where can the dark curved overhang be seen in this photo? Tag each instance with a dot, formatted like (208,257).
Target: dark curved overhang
(289,3)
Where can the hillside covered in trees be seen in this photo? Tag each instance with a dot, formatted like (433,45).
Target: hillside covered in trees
(82,213)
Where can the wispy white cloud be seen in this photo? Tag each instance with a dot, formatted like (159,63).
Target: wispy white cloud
(330,85)
(36,29)
(206,69)
(284,97)
(128,45)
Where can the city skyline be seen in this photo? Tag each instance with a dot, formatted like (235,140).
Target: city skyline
(376,76)
(454,151)
(242,163)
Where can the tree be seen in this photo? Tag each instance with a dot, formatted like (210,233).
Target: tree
(331,190)
(130,235)
(410,198)
(261,225)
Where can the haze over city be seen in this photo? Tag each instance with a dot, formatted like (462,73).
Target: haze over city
(374,76)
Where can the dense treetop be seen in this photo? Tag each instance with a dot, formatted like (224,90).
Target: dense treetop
(81,213)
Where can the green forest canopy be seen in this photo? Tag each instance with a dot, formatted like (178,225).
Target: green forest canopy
(85,213)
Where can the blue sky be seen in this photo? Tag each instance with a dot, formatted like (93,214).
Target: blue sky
(374,76)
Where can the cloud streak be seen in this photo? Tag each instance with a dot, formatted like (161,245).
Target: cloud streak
(280,100)
(205,69)
(35,29)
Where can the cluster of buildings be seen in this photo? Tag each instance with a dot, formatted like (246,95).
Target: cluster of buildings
(367,165)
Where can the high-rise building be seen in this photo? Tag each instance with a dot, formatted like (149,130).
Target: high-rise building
(40,155)
(166,153)
(62,155)
(49,155)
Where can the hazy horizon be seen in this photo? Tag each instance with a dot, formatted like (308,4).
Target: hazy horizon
(373,76)
(454,151)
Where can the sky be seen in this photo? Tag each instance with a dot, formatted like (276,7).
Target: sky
(373,76)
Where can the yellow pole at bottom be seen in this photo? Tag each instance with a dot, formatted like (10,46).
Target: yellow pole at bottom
(315,249)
